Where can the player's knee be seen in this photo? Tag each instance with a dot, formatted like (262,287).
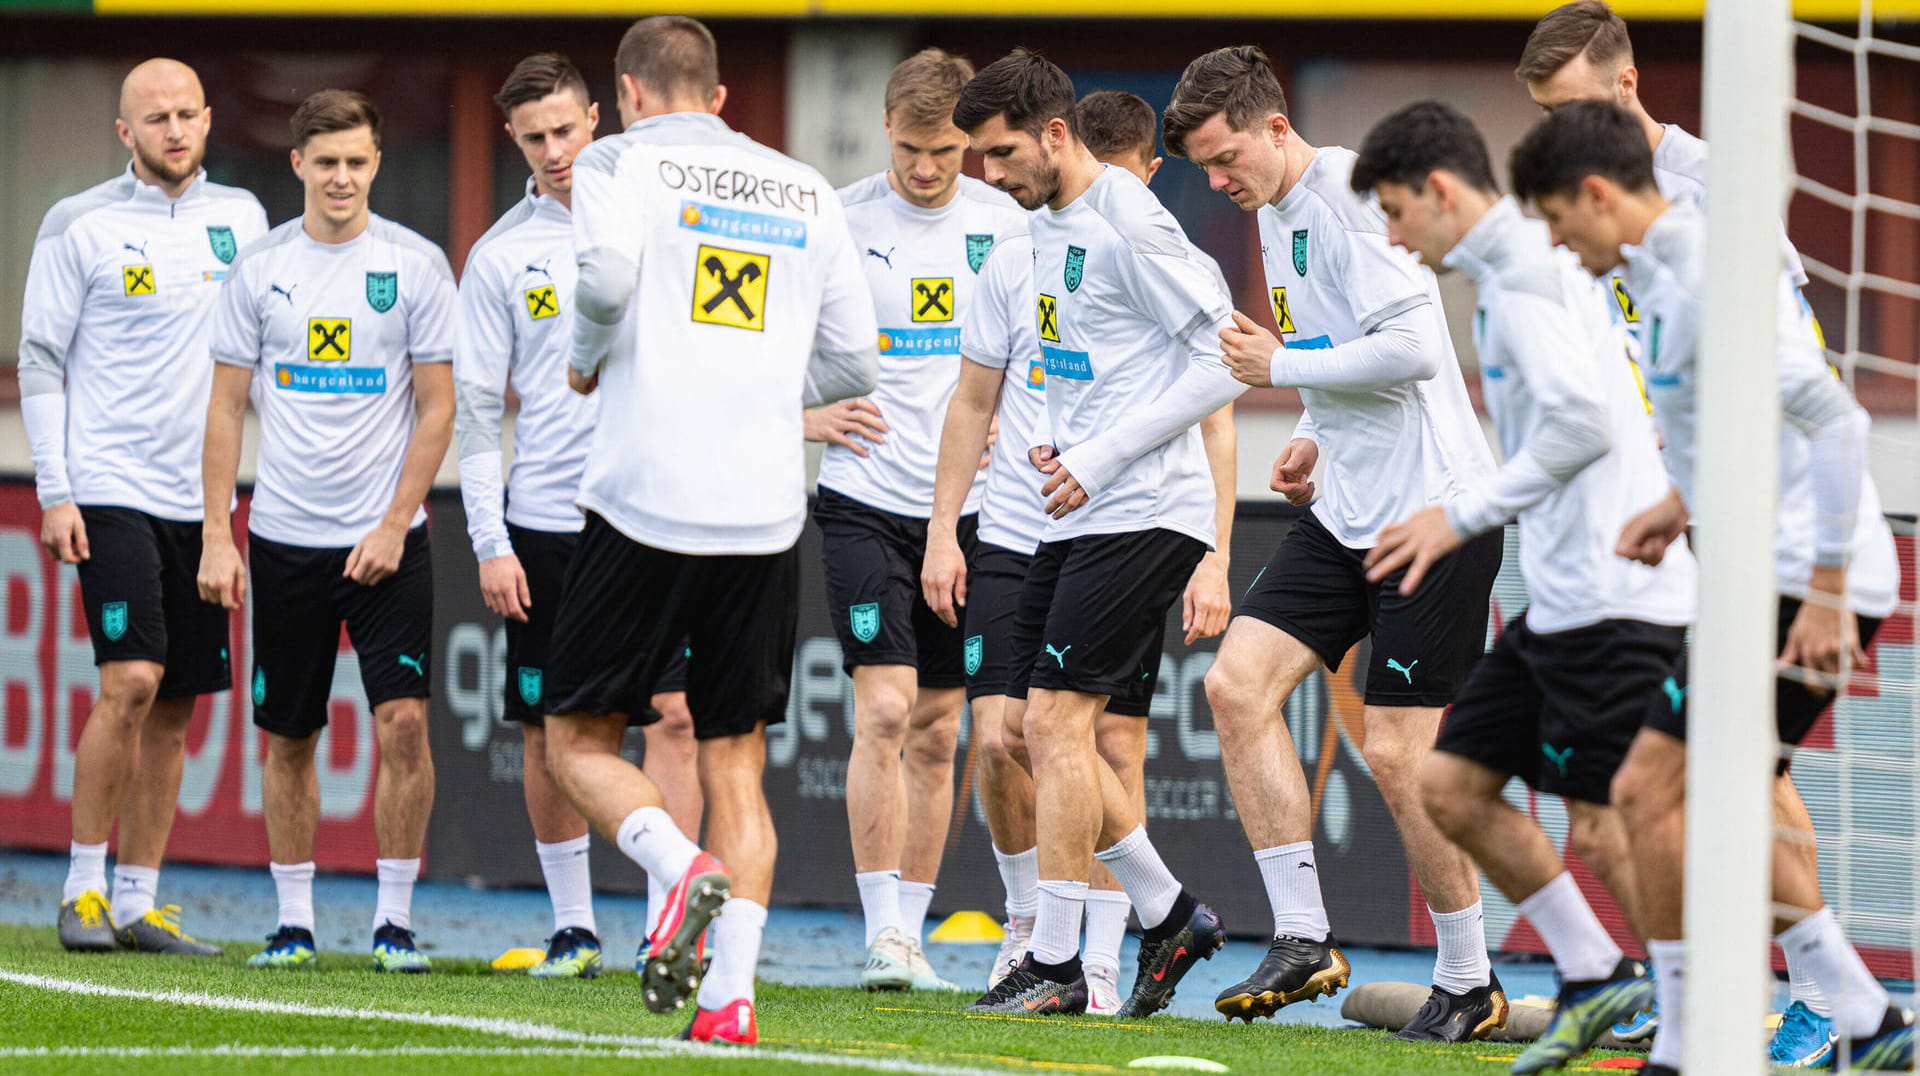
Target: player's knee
(1443,796)
(1234,694)
(1599,843)
(882,718)
(402,728)
(1636,795)
(1013,743)
(129,690)
(1122,743)
(1395,764)
(934,742)
(676,719)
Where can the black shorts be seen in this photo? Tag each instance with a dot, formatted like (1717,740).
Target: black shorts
(873,590)
(300,599)
(1796,708)
(1092,617)
(140,585)
(1314,589)
(1559,709)
(628,608)
(994,582)
(544,556)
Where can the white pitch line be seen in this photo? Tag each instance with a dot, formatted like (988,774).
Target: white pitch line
(240,1049)
(624,1045)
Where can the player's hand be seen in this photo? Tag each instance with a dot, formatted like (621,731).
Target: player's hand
(993,436)
(1293,471)
(377,557)
(582,385)
(1209,601)
(1646,536)
(1062,490)
(64,533)
(1247,349)
(1416,544)
(1822,631)
(222,579)
(846,424)
(1044,458)
(943,578)
(503,585)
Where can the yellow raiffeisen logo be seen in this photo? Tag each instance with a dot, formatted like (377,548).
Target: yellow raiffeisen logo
(1627,309)
(329,339)
(542,302)
(1049,318)
(1282,316)
(730,288)
(932,298)
(137,278)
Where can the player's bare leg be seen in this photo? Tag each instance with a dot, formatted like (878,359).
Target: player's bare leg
(740,831)
(290,800)
(877,807)
(933,731)
(402,801)
(1398,740)
(1122,743)
(110,783)
(1006,799)
(561,839)
(146,820)
(671,762)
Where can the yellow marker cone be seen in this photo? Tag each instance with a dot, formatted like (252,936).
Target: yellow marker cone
(968,928)
(519,959)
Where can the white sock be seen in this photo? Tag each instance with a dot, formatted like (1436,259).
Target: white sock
(735,945)
(1056,923)
(1462,963)
(656,902)
(1106,928)
(1148,882)
(294,884)
(569,882)
(649,838)
(1293,889)
(86,870)
(915,897)
(1565,921)
(879,900)
(133,889)
(1020,874)
(1801,986)
(1859,1001)
(1670,991)
(395,901)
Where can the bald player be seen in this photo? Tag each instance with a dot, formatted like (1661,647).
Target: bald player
(114,378)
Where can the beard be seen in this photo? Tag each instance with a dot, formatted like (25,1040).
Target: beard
(1044,187)
(158,165)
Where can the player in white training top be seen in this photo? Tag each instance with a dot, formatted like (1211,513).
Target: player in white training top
(1127,314)
(1582,51)
(923,230)
(1589,170)
(339,325)
(113,387)
(1560,697)
(516,309)
(1005,379)
(716,277)
(1362,337)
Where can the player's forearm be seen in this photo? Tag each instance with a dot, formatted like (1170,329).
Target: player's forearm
(1401,351)
(1200,391)
(833,376)
(1222,441)
(1837,429)
(601,297)
(963,437)
(478,417)
(220,455)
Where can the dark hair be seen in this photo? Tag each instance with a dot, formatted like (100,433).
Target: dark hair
(1112,122)
(923,88)
(1583,28)
(539,76)
(670,54)
(1418,140)
(333,110)
(1581,139)
(1238,81)
(1023,87)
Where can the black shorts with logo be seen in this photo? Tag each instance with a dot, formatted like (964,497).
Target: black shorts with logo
(1315,589)
(1559,709)
(544,556)
(140,585)
(872,560)
(994,582)
(1092,616)
(628,609)
(300,599)
(1796,707)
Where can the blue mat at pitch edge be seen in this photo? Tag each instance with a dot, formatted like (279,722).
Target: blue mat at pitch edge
(811,946)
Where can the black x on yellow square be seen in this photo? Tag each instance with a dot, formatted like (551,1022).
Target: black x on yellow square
(329,339)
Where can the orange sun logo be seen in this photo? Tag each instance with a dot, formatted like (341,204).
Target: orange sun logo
(690,215)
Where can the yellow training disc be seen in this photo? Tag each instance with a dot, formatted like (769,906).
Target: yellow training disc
(968,928)
(519,959)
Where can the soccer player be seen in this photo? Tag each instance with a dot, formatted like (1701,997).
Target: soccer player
(1005,379)
(1582,52)
(716,277)
(1590,172)
(923,229)
(113,372)
(1128,317)
(516,305)
(1558,701)
(349,318)
(1362,338)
